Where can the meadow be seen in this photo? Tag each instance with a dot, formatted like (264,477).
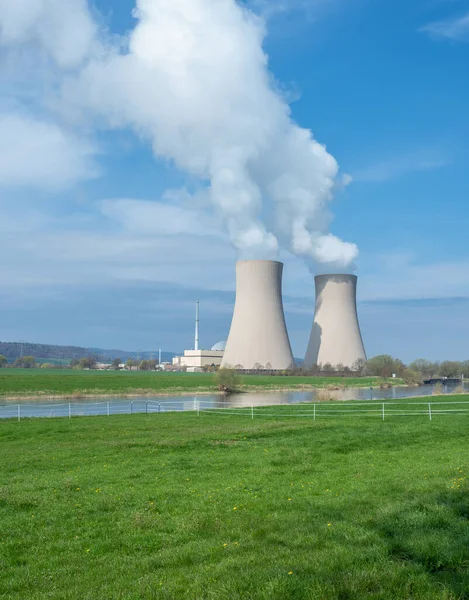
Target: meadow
(176,506)
(71,383)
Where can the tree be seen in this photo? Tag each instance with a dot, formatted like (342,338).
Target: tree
(29,362)
(87,362)
(115,363)
(383,366)
(227,380)
(131,363)
(450,368)
(425,367)
(47,365)
(412,377)
(144,365)
(465,368)
(358,367)
(74,363)
(25,362)
(3,361)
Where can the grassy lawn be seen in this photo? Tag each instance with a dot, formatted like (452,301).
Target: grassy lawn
(176,506)
(68,382)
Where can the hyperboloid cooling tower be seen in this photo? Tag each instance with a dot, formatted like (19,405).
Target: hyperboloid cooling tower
(258,334)
(335,337)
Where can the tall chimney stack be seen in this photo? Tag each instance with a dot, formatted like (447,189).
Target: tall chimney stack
(196,345)
(258,334)
(335,336)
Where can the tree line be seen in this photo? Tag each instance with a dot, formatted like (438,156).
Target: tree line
(384,366)
(87,362)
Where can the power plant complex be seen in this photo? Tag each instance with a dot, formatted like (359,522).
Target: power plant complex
(258,337)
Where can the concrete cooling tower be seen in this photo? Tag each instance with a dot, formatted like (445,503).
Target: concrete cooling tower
(335,336)
(258,334)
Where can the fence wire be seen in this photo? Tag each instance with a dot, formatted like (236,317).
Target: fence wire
(383,410)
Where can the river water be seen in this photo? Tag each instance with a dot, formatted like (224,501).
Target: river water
(114,406)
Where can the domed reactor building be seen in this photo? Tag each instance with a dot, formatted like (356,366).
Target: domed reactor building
(258,336)
(335,336)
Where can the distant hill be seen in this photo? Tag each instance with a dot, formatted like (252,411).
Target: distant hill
(63,354)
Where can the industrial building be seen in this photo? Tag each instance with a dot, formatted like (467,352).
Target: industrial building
(258,335)
(197,360)
(335,335)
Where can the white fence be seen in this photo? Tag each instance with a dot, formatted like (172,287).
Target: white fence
(382,410)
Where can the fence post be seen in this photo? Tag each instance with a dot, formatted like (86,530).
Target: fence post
(314,412)
(198,408)
(383,411)
(430,410)
(159,407)
(131,407)
(19,412)
(146,407)
(108,409)
(252,411)
(69,410)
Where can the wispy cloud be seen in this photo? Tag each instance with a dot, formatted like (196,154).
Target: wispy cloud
(38,153)
(397,167)
(454,28)
(400,276)
(272,8)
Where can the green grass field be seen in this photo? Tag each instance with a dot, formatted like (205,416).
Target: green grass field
(18,382)
(175,506)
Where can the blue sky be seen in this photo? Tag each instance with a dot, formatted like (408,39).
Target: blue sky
(86,259)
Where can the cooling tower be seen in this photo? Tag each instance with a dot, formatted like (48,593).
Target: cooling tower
(258,334)
(335,337)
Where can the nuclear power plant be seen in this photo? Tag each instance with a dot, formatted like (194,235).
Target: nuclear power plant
(335,336)
(258,335)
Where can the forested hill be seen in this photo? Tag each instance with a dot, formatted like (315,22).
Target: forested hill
(58,354)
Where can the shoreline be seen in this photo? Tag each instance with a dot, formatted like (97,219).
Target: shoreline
(89,395)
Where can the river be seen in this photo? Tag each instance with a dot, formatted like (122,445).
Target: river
(114,406)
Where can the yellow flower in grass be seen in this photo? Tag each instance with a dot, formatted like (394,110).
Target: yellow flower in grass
(290,572)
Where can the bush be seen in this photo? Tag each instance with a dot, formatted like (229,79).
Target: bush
(326,395)
(412,377)
(227,380)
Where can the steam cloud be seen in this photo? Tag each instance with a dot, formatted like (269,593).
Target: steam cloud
(193,79)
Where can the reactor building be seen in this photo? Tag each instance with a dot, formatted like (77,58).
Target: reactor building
(335,335)
(258,337)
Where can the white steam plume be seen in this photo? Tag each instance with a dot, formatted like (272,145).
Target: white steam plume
(64,29)
(194,81)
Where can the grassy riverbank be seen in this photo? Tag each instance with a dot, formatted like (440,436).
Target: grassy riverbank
(69,383)
(176,506)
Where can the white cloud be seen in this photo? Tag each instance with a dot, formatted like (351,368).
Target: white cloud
(158,218)
(397,167)
(455,28)
(64,29)
(38,153)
